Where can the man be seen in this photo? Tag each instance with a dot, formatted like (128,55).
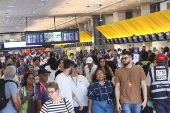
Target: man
(21,71)
(158,80)
(98,55)
(128,81)
(89,68)
(41,95)
(65,57)
(111,64)
(116,60)
(11,92)
(36,63)
(72,58)
(64,83)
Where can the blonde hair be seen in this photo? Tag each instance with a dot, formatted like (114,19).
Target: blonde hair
(52,85)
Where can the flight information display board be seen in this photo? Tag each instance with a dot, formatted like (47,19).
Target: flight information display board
(154,37)
(161,36)
(125,40)
(168,35)
(116,41)
(111,41)
(120,40)
(52,36)
(147,38)
(135,39)
(141,38)
(130,40)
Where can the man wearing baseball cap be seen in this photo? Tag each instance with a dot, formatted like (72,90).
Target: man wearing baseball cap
(158,82)
(89,68)
(40,94)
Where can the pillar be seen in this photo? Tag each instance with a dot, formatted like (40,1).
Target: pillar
(81,26)
(145,9)
(119,16)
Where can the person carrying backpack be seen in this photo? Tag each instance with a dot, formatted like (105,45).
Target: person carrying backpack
(9,98)
(145,64)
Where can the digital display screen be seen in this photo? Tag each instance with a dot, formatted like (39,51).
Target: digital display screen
(52,36)
(141,38)
(161,36)
(154,37)
(116,40)
(108,41)
(147,38)
(125,40)
(70,36)
(111,41)
(168,35)
(135,39)
(34,38)
(120,40)
(130,40)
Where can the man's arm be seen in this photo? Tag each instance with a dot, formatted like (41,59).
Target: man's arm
(144,89)
(39,105)
(89,105)
(117,94)
(76,99)
(16,102)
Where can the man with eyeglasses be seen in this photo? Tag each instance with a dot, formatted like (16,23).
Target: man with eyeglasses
(89,68)
(41,95)
(129,80)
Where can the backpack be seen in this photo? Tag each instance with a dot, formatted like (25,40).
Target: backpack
(3,99)
(145,66)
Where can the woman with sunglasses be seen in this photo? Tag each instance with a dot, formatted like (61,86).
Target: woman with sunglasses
(56,104)
(27,94)
(100,94)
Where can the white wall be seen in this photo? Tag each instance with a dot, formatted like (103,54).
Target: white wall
(136,13)
(108,19)
(159,44)
(163,6)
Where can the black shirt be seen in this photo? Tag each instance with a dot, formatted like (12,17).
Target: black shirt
(112,65)
(58,72)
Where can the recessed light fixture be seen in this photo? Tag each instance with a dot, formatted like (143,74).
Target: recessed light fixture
(123,5)
(8,10)
(67,3)
(8,16)
(10,6)
(44,0)
(39,5)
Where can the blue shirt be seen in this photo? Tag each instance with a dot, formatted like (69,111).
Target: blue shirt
(40,93)
(101,93)
(10,89)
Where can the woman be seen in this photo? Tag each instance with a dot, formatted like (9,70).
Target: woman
(83,65)
(106,69)
(100,94)
(152,60)
(58,57)
(52,67)
(60,63)
(27,94)
(79,85)
(56,104)
(31,70)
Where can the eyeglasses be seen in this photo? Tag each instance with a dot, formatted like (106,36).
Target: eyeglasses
(125,58)
(50,92)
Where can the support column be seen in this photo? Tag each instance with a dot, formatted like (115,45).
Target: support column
(145,9)
(97,37)
(119,16)
(81,27)
(72,27)
(89,26)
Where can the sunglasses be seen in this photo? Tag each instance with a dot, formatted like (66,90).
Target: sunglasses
(125,58)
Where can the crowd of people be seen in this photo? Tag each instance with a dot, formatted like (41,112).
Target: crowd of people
(106,81)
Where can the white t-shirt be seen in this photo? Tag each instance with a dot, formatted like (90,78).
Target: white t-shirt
(52,74)
(2,59)
(88,72)
(81,90)
(36,68)
(64,84)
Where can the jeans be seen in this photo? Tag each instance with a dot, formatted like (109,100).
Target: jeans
(162,105)
(131,108)
(102,107)
(85,109)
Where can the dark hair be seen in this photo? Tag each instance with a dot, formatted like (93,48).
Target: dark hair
(53,63)
(97,53)
(106,68)
(152,57)
(36,58)
(68,63)
(57,56)
(95,59)
(95,75)
(71,54)
(25,78)
(58,62)
(75,65)
(52,54)
(166,49)
(106,56)
(127,53)
(144,55)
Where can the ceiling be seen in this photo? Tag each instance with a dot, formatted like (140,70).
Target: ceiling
(40,13)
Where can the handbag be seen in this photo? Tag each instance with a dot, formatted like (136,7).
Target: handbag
(65,104)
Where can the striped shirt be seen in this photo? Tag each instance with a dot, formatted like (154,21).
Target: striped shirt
(60,107)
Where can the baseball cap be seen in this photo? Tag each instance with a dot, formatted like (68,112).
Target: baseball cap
(42,70)
(89,60)
(160,57)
